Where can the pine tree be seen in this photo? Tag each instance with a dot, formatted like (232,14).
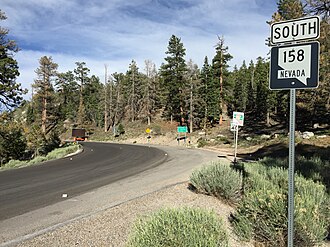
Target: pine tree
(150,87)
(93,102)
(210,94)
(12,140)
(203,91)
(240,88)
(220,69)
(193,99)
(81,76)
(173,78)
(290,9)
(10,91)
(251,90)
(120,103)
(265,98)
(68,95)
(46,74)
(133,87)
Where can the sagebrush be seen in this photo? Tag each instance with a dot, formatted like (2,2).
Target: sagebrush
(182,227)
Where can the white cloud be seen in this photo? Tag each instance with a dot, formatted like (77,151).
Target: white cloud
(116,31)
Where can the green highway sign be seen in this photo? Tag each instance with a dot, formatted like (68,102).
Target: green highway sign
(182,129)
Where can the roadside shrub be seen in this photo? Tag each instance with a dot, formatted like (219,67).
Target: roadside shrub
(180,228)
(37,160)
(61,152)
(55,154)
(13,164)
(201,142)
(218,179)
(120,129)
(262,213)
(311,168)
(156,130)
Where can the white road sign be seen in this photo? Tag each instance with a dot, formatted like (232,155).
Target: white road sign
(294,66)
(295,30)
(238,118)
(295,63)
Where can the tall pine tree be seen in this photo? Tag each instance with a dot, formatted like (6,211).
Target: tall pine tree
(173,80)
(46,75)
(220,69)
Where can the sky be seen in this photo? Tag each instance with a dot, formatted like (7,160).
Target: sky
(114,32)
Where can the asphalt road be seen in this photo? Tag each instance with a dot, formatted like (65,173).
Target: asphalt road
(26,189)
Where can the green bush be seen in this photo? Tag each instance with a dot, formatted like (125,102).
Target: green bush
(185,227)
(262,213)
(121,129)
(157,130)
(13,164)
(201,142)
(62,152)
(218,179)
(37,160)
(55,154)
(311,168)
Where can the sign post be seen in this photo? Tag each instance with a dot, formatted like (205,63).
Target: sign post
(182,129)
(238,120)
(148,131)
(294,66)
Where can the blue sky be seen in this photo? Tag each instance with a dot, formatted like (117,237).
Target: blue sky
(114,32)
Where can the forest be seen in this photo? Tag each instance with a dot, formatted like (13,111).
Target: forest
(178,91)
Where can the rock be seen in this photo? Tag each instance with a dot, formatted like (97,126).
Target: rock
(212,140)
(248,138)
(220,135)
(276,136)
(316,126)
(201,133)
(307,135)
(321,136)
(265,137)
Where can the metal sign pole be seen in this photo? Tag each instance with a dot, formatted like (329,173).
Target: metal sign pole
(291,167)
(236,137)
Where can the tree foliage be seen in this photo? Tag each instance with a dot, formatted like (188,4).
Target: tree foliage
(178,91)
(173,79)
(10,91)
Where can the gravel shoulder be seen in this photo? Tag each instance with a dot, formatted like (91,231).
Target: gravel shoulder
(111,227)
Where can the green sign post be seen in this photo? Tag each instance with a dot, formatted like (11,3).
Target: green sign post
(182,129)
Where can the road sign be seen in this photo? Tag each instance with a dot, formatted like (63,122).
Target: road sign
(182,129)
(294,66)
(233,126)
(295,30)
(238,118)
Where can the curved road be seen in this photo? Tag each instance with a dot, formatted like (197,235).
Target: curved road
(103,176)
(26,189)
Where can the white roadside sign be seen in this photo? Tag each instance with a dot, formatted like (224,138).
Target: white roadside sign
(295,30)
(238,118)
(295,63)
